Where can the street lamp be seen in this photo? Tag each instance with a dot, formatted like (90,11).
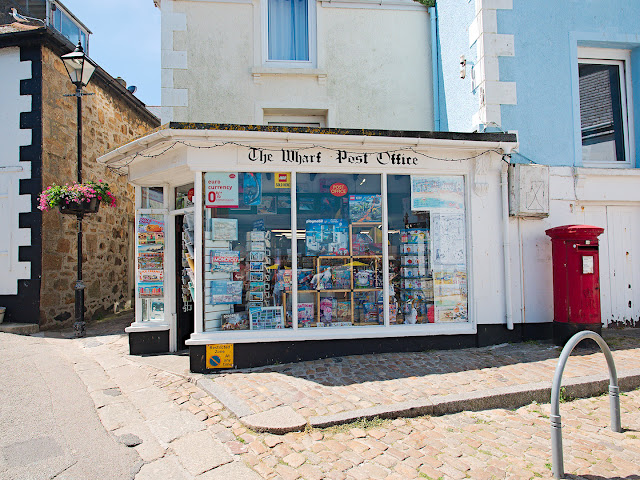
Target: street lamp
(80,68)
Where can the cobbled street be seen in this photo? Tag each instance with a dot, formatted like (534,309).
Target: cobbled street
(180,431)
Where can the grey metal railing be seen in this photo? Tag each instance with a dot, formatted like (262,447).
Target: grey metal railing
(556,422)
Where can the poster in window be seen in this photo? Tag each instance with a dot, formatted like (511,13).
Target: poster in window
(450,294)
(448,239)
(252,188)
(266,318)
(365,208)
(221,190)
(444,193)
(327,237)
(225,292)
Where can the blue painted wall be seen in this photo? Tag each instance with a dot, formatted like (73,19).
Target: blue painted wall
(457,102)
(546,35)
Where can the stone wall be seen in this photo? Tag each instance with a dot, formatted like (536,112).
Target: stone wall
(108,122)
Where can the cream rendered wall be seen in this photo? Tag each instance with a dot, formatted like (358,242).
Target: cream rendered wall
(373,65)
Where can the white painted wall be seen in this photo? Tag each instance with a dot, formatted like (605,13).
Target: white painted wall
(12,70)
(605,198)
(373,66)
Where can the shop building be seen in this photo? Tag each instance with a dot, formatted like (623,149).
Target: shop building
(261,244)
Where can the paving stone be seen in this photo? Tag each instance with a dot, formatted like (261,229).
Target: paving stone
(129,439)
(294,460)
(166,467)
(199,452)
(276,420)
(230,471)
(170,426)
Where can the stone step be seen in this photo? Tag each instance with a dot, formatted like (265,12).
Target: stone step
(20,328)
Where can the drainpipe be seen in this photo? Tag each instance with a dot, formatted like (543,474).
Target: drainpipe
(506,245)
(433,15)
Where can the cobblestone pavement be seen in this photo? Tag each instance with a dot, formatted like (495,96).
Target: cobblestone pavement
(492,444)
(332,386)
(184,433)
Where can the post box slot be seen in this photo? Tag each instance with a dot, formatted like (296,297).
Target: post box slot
(592,248)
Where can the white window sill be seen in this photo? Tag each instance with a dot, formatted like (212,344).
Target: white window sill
(147,327)
(261,71)
(622,168)
(338,333)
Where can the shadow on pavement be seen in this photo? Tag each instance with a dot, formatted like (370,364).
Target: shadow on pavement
(111,325)
(356,369)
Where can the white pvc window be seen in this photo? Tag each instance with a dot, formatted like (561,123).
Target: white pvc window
(289,33)
(605,116)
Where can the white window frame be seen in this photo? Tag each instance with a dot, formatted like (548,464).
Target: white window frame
(312,19)
(622,58)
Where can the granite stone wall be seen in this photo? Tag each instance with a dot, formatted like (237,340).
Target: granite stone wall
(108,122)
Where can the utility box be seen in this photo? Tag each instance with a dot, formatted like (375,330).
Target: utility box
(576,280)
(528,190)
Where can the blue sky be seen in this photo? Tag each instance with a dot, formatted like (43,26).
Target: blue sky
(125,41)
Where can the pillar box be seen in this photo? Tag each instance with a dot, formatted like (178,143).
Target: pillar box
(576,280)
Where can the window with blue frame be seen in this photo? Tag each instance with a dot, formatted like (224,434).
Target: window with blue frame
(288,30)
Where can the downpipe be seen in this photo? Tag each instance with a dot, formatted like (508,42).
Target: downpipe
(506,246)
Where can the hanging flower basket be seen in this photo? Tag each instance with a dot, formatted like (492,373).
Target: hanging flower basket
(87,206)
(77,198)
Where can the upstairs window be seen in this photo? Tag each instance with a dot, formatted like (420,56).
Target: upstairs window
(604,113)
(290,31)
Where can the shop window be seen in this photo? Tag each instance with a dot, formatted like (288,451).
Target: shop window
(152,197)
(339,243)
(184,196)
(247,254)
(427,249)
(604,116)
(150,269)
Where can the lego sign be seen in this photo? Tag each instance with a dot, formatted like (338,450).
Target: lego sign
(220,355)
(282,180)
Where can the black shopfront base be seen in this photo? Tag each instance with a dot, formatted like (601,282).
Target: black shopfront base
(563,331)
(248,355)
(141,343)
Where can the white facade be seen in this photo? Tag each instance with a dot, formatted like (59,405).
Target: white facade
(607,198)
(197,151)
(369,65)
(12,170)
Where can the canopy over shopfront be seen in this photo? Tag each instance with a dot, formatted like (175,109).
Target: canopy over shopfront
(259,244)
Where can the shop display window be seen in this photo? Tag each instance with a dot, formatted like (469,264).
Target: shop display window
(247,251)
(184,196)
(339,235)
(427,249)
(152,197)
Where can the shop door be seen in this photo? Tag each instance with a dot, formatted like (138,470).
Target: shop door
(184,302)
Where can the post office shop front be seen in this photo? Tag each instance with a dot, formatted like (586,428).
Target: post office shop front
(272,244)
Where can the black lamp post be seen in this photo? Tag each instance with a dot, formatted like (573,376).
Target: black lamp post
(80,68)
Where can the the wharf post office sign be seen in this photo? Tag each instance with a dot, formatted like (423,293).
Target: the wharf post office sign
(326,157)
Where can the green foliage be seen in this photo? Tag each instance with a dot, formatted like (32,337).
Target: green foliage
(426,3)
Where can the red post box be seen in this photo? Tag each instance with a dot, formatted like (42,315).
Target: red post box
(576,280)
